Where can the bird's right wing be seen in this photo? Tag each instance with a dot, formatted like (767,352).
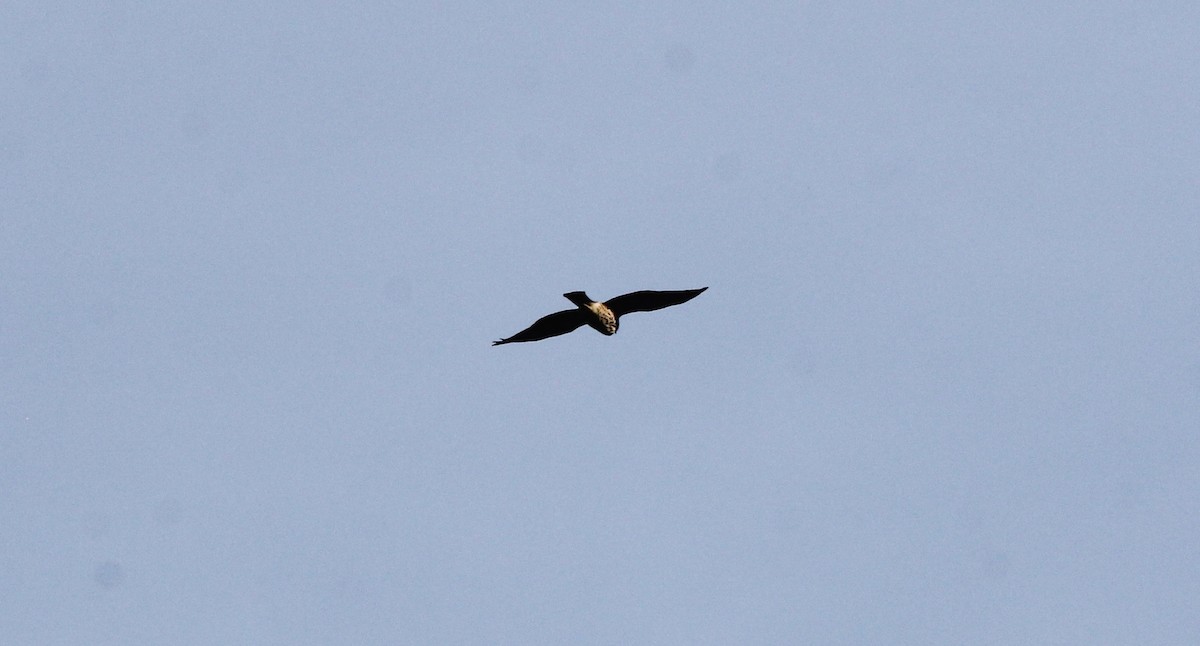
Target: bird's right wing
(548,326)
(648,301)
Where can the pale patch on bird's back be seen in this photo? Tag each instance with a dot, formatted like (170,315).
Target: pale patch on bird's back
(606,321)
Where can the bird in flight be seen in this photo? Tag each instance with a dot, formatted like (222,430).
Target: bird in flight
(603,317)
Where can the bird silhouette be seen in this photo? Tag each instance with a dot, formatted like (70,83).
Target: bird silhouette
(603,317)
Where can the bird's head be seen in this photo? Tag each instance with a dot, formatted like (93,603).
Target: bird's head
(578,298)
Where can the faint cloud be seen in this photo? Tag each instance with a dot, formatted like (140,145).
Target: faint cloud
(109,574)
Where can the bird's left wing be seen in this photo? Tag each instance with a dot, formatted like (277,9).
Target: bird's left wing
(548,326)
(648,301)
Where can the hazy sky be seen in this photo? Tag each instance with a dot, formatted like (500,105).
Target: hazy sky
(944,387)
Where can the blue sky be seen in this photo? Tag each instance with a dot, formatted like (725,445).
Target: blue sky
(944,387)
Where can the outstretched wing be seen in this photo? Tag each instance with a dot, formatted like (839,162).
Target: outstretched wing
(548,326)
(648,301)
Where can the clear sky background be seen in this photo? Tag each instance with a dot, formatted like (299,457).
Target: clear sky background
(944,387)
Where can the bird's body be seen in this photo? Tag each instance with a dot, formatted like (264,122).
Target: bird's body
(603,317)
(597,315)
